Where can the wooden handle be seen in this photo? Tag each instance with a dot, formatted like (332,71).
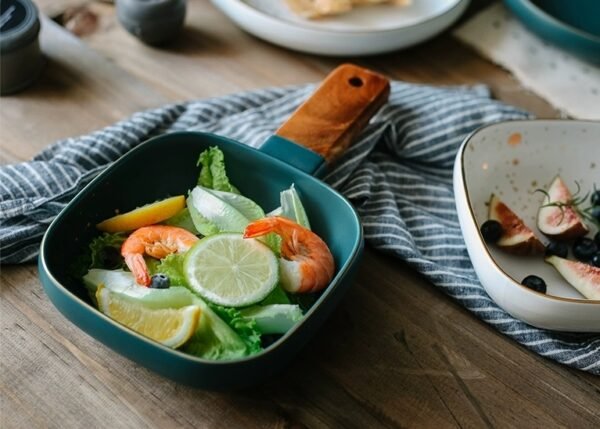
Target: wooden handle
(338,110)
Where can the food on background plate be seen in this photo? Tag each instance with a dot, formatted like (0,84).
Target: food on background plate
(319,8)
(516,236)
(534,283)
(558,217)
(218,278)
(492,231)
(583,277)
(558,248)
(561,217)
(584,249)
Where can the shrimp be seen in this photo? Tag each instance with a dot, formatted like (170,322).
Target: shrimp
(157,241)
(307,264)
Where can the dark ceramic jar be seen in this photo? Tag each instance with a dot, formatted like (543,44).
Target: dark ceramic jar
(152,21)
(20,56)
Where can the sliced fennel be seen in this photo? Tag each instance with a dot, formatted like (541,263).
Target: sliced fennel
(291,207)
(248,208)
(273,319)
(215,211)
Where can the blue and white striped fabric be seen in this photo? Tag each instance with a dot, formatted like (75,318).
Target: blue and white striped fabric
(398,175)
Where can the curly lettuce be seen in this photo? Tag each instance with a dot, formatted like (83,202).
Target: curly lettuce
(103,252)
(212,173)
(245,328)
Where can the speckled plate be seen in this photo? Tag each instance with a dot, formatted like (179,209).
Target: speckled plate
(513,159)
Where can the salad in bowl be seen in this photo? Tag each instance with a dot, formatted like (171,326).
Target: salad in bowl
(208,273)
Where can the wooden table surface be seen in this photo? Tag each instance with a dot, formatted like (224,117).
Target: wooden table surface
(396,353)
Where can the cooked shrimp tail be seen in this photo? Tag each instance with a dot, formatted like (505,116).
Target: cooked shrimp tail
(136,263)
(307,263)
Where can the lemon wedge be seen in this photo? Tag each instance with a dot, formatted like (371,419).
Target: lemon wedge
(170,327)
(144,216)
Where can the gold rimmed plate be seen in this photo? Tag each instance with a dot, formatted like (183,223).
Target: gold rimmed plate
(512,159)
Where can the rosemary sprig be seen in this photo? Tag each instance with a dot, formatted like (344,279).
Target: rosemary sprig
(575,203)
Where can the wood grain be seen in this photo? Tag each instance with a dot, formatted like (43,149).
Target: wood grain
(98,95)
(397,353)
(337,111)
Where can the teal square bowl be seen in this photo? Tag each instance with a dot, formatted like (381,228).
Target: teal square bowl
(572,25)
(166,166)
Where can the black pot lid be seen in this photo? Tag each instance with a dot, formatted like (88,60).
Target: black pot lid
(19,24)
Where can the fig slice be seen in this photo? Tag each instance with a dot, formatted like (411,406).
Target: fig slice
(517,237)
(583,277)
(560,223)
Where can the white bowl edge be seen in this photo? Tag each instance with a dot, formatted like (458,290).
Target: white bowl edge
(539,310)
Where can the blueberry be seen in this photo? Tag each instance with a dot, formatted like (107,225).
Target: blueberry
(160,281)
(596,213)
(557,248)
(595,198)
(534,283)
(584,248)
(492,231)
(595,261)
(597,239)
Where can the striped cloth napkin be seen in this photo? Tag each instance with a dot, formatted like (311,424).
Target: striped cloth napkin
(398,175)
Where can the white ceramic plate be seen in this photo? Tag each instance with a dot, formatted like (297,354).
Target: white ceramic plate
(362,31)
(487,162)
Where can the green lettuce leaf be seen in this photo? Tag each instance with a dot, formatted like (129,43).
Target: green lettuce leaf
(277,296)
(215,339)
(172,267)
(213,174)
(245,327)
(183,219)
(103,252)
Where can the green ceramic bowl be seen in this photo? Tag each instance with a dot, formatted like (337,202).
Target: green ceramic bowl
(166,166)
(572,25)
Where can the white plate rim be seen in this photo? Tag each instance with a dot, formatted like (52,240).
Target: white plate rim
(263,15)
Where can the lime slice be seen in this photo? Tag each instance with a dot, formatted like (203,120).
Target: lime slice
(171,327)
(229,270)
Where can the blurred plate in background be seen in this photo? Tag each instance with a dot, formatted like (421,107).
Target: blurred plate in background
(362,31)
